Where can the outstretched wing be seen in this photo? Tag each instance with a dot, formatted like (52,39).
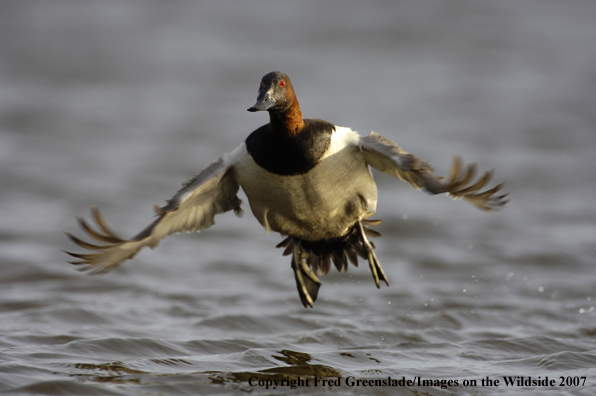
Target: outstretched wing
(386,156)
(193,208)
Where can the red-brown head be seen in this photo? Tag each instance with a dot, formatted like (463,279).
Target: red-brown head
(275,93)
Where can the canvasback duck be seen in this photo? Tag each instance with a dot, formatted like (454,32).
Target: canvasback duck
(307,179)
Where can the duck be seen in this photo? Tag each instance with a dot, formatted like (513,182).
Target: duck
(307,179)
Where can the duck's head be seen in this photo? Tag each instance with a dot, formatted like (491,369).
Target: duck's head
(275,93)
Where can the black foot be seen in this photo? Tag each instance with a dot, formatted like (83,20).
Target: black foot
(375,266)
(306,281)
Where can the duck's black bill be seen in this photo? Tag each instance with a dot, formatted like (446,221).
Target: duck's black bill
(263,104)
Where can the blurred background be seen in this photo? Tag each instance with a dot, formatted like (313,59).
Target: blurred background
(116,104)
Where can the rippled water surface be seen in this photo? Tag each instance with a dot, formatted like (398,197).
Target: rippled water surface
(116,103)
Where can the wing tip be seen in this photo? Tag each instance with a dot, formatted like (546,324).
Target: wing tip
(100,261)
(459,186)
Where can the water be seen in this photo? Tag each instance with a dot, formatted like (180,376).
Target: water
(117,103)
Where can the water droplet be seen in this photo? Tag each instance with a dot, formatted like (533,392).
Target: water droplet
(405,217)
(541,289)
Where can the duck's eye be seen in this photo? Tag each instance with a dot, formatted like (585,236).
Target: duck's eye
(282,83)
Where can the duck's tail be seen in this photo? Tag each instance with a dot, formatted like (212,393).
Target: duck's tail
(310,257)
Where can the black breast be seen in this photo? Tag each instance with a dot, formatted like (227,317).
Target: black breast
(288,155)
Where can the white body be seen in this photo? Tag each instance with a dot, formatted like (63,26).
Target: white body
(321,204)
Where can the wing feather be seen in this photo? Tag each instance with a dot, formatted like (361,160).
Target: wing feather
(386,156)
(193,208)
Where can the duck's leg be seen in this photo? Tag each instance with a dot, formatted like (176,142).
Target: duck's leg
(306,281)
(375,267)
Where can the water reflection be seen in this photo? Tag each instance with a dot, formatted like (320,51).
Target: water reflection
(299,367)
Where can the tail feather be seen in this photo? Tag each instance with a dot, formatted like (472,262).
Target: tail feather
(317,257)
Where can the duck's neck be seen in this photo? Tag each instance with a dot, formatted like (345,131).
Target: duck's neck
(288,122)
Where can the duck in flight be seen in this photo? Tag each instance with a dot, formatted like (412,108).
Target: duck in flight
(307,179)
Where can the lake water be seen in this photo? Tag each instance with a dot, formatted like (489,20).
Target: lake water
(117,103)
